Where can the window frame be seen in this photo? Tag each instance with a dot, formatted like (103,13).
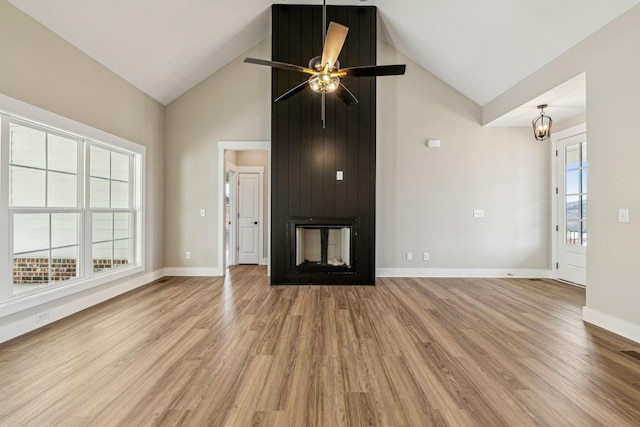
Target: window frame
(17,111)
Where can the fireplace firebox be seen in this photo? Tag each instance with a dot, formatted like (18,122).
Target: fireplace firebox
(323,245)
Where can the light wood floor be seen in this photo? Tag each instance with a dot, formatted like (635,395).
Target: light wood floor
(407,352)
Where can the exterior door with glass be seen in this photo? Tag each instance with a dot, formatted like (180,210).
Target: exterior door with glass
(571,217)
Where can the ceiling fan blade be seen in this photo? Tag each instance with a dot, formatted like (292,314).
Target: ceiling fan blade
(281,65)
(372,71)
(288,94)
(345,95)
(336,35)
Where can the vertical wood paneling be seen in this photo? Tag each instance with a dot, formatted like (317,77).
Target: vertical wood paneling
(305,157)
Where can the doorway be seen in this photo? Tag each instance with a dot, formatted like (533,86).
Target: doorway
(249,214)
(240,159)
(571,206)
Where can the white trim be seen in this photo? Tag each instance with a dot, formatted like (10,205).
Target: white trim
(240,146)
(193,272)
(612,324)
(463,272)
(264,261)
(22,326)
(555,137)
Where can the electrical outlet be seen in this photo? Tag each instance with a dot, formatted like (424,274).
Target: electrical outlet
(409,256)
(425,256)
(478,213)
(203,212)
(188,255)
(42,317)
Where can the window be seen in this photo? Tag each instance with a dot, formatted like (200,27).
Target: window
(111,208)
(73,207)
(576,194)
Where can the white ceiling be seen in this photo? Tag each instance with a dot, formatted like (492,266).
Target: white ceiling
(479,47)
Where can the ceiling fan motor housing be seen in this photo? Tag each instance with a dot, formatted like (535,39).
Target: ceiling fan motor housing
(316,64)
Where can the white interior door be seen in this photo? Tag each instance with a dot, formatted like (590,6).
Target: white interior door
(572,209)
(248,217)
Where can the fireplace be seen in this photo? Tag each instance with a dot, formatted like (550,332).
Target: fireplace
(322,245)
(323,193)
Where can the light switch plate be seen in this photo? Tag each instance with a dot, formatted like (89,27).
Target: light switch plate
(623,215)
(339,176)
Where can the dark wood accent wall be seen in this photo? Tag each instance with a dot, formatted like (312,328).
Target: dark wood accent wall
(306,157)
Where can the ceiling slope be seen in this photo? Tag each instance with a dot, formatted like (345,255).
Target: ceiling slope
(480,48)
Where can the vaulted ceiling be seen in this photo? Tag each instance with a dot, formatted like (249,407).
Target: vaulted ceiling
(479,47)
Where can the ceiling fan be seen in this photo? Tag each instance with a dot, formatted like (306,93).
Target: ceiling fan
(325,72)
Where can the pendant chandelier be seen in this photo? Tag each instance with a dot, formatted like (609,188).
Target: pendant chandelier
(542,125)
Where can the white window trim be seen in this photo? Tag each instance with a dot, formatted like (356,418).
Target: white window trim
(11,304)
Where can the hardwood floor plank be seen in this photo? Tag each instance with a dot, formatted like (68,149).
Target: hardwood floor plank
(408,352)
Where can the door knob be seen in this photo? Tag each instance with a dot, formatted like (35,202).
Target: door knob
(255,222)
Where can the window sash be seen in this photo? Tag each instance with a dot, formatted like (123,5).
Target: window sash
(85,267)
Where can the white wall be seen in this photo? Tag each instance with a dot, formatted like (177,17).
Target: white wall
(426,196)
(233,104)
(43,70)
(611,60)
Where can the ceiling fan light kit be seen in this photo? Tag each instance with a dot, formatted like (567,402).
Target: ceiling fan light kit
(325,70)
(542,125)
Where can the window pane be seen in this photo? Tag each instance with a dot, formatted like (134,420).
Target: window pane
(63,154)
(584,180)
(27,147)
(573,207)
(28,187)
(30,232)
(573,232)
(572,156)
(122,226)
(119,194)
(30,271)
(62,190)
(65,229)
(102,227)
(573,182)
(99,193)
(120,166)
(584,154)
(100,162)
(102,253)
(121,252)
(584,233)
(584,207)
(64,264)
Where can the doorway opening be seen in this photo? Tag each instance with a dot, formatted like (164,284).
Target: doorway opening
(244,203)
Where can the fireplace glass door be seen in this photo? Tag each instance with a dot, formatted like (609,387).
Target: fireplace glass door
(323,245)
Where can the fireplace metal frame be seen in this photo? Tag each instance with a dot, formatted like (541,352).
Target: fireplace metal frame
(305,269)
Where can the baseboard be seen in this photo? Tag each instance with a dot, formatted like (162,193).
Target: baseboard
(189,272)
(462,272)
(263,261)
(612,324)
(32,322)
